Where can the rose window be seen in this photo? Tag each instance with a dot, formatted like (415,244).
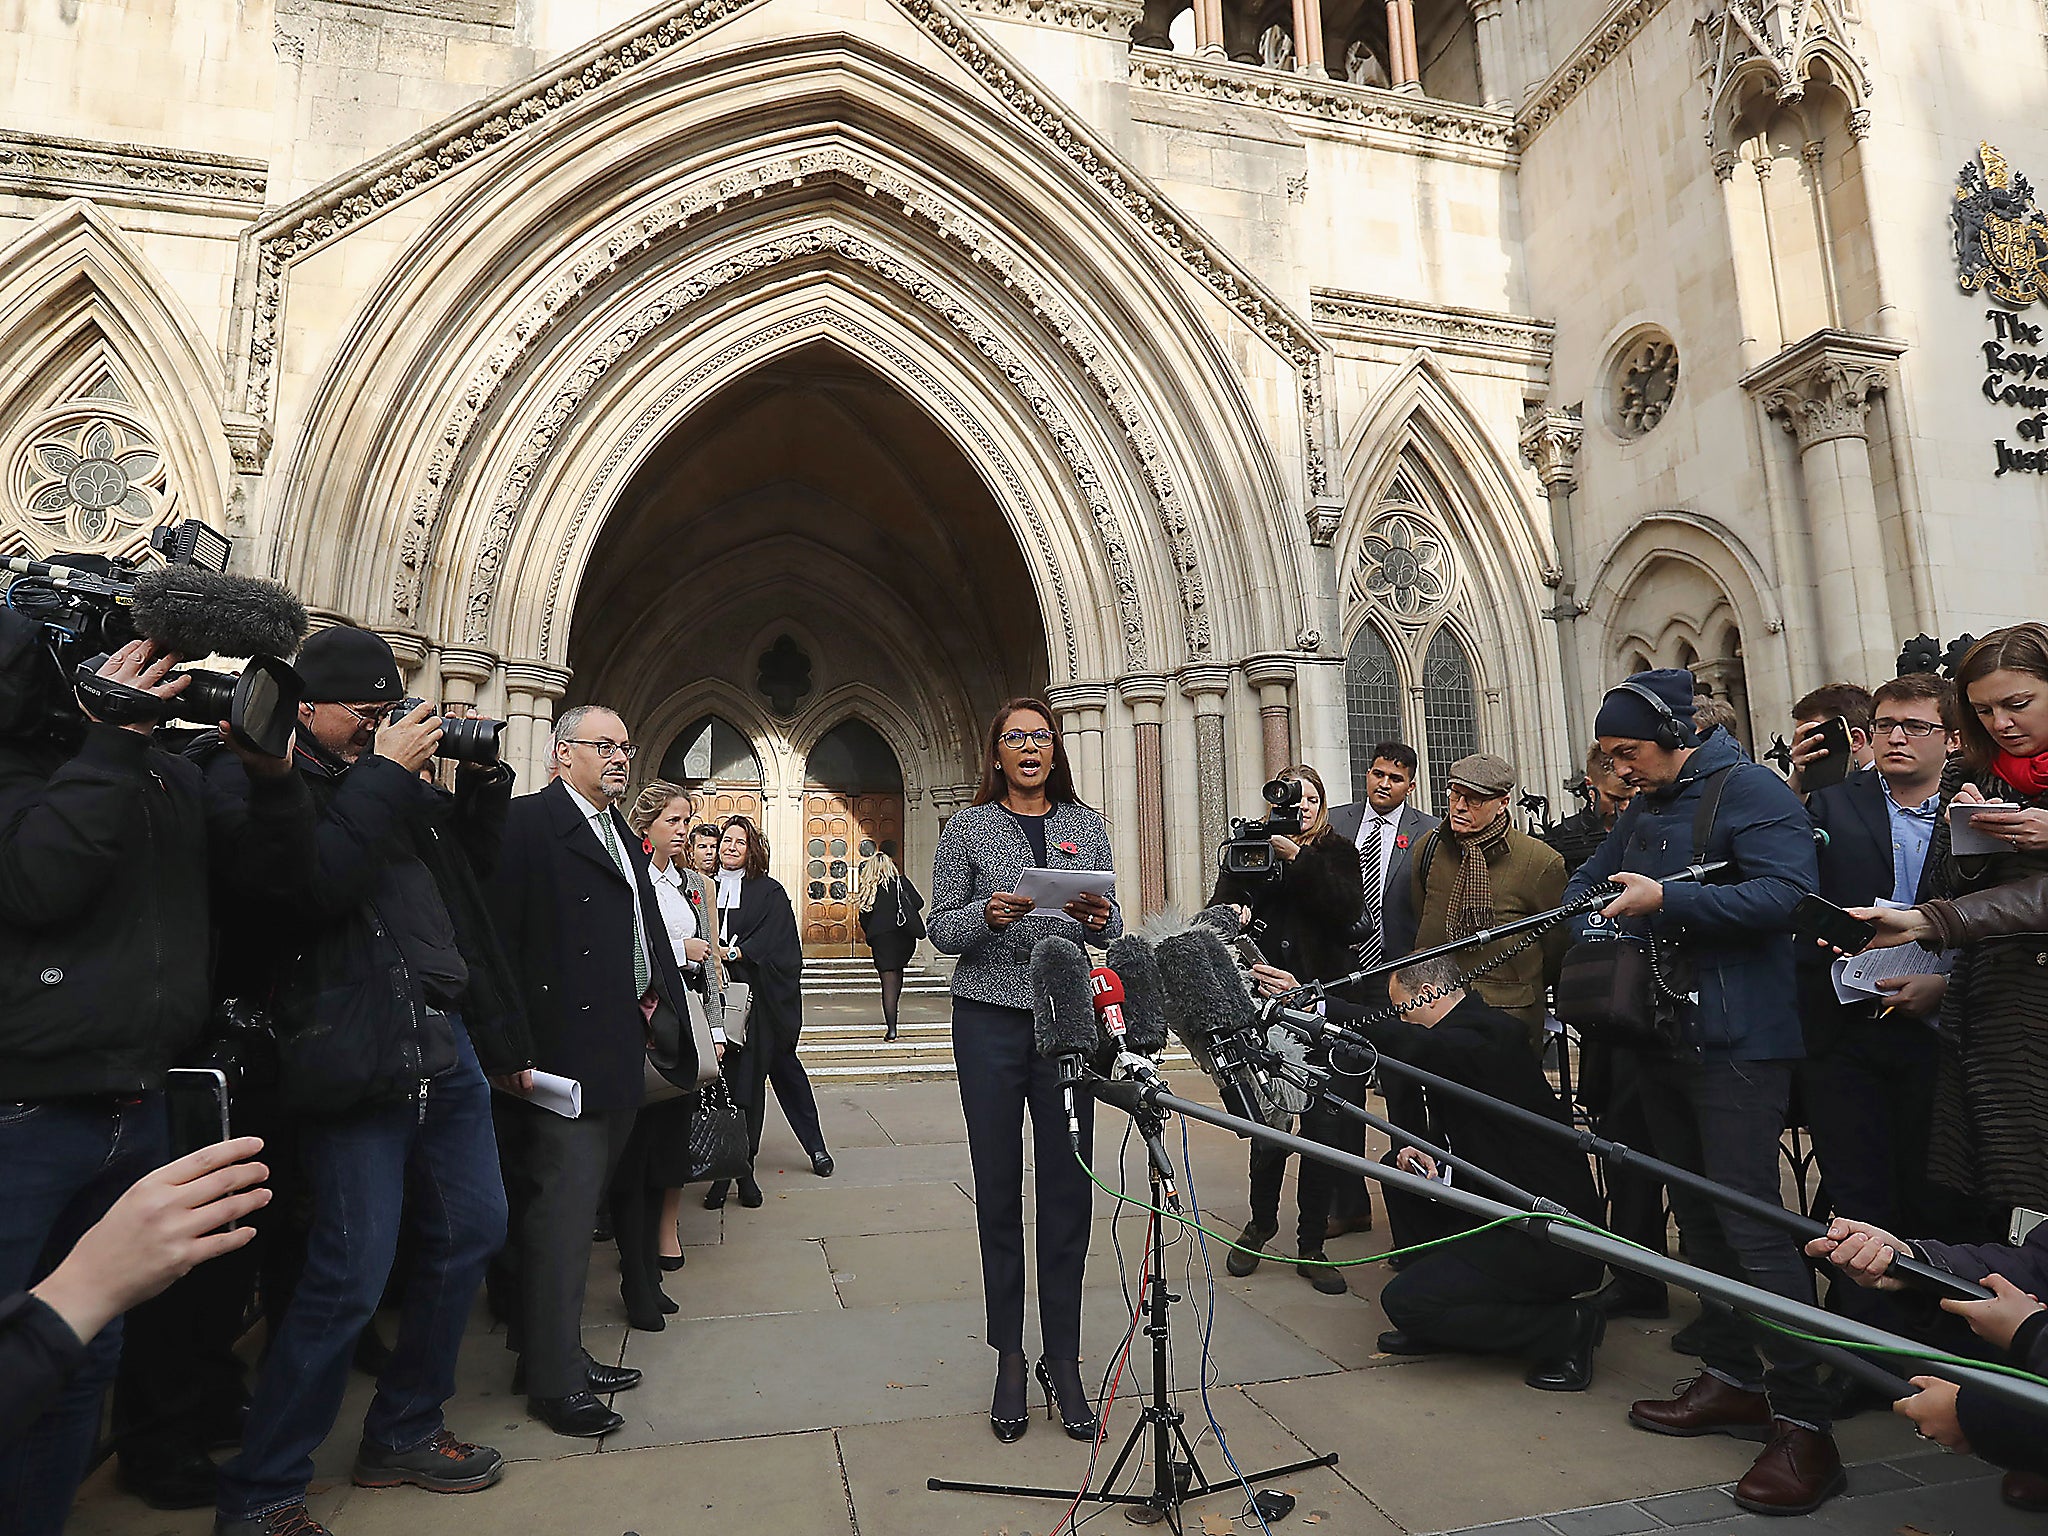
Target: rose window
(90,481)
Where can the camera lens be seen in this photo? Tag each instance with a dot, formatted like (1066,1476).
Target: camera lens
(464,738)
(1283,793)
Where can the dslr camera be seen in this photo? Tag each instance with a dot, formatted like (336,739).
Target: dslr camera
(464,738)
(1248,851)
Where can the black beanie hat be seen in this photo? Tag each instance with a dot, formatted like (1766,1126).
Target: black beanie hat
(346,665)
(1626,713)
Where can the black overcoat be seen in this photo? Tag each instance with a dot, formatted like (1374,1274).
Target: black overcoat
(771,962)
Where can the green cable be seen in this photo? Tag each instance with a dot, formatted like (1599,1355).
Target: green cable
(1929,1355)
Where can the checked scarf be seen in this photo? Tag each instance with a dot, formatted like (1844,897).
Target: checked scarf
(1472,891)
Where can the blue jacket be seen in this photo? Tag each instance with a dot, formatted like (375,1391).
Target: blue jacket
(1736,931)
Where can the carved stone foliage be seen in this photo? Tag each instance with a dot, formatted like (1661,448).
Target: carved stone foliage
(1603,47)
(131,175)
(85,474)
(1778,42)
(1550,443)
(1641,381)
(1405,566)
(1828,400)
(1104,18)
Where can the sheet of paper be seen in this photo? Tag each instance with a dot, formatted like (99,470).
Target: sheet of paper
(1857,976)
(1963,836)
(1051,889)
(560,1095)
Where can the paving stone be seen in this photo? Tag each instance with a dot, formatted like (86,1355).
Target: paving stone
(1878,1477)
(1606,1520)
(1696,1506)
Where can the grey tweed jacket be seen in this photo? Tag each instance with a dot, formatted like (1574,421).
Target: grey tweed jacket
(983,851)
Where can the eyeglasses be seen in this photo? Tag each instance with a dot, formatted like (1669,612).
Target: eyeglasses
(605,750)
(377,715)
(1917,729)
(1015,739)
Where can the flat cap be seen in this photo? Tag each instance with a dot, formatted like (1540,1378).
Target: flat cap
(1483,774)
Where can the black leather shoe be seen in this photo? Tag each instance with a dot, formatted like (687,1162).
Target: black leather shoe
(1633,1296)
(822,1164)
(173,1482)
(1572,1370)
(1692,1338)
(643,1313)
(1395,1342)
(1062,1382)
(668,1307)
(579,1414)
(750,1193)
(610,1378)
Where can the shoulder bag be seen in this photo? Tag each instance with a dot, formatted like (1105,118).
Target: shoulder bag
(718,1136)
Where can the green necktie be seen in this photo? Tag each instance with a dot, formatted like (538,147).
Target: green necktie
(642,974)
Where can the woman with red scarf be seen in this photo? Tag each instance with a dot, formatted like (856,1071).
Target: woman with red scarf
(1990,1140)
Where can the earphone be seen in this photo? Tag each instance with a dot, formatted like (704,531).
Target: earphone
(1671,734)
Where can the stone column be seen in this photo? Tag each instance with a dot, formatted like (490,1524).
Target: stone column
(1209,30)
(1550,445)
(1403,66)
(1207,685)
(1144,695)
(1080,707)
(1272,676)
(1821,391)
(1493,63)
(1308,38)
(531,689)
(410,647)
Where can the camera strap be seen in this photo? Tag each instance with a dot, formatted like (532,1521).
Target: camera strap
(113,703)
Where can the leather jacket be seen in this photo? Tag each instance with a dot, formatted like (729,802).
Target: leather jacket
(1992,913)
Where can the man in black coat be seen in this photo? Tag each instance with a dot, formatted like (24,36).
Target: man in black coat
(575,905)
(392,1000)
(112,853)
(1868,1080)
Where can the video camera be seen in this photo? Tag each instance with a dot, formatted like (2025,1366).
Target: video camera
(63,617)
(1248,851)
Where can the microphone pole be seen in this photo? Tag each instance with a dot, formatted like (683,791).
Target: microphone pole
(1310,991)
(1737,1294)
(1903,1266)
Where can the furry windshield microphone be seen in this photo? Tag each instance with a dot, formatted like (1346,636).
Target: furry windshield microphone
(1209,1010)
(1292,1049)
(1144,994)
(1221,920)
(197,612)
(1062,1006)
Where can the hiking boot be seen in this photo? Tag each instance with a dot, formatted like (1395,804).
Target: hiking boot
(442,1464)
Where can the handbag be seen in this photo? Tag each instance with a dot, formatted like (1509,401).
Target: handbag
(907,918)
(658,1080)
(739,1003)
(718,1136)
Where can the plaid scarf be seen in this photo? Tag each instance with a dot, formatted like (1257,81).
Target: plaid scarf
(1471,907)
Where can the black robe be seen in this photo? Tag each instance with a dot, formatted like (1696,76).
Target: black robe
(771,962)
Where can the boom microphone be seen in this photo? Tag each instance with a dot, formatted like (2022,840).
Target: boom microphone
(198,612)
(1144,994)
(1063,1015)
(1211,1012)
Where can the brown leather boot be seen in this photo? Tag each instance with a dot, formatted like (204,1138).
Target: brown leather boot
(1706,1406)
(2025,1490)
(1799,1471)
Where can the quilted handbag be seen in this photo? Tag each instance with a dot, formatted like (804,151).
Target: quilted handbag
(718,1136)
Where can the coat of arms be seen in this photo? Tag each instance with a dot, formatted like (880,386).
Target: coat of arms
(2001,237)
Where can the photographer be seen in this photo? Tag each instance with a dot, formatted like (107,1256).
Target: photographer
(391,1006)
(1302,917)
(111,853)
(1716,1097)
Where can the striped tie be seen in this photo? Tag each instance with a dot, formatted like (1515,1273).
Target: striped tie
(642,972)
(1371,951)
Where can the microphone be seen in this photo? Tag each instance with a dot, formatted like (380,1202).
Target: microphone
(197,612)
(1106,988)
(1063,1015)
(1144,999)
(1211,1012)
(1223,921)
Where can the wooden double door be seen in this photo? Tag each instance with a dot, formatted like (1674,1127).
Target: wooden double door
(839,831)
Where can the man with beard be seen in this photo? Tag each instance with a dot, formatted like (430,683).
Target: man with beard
(1580,835)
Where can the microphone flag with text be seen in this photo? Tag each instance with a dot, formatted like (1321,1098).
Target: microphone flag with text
(1063,1015)
(1136,1035)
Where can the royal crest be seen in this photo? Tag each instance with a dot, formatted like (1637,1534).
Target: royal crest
(2001,237)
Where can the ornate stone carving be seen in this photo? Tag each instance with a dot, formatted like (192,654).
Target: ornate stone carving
(1641,381)
(1309,640)
(1601,48)
(1297,188)
(1404,565)
(1325,517)
(1822,388)
(1406,324)
(86,479)
(1414,122)
(1550,446)
(248,442)
(1778,40)
(1104,18)
(130,175)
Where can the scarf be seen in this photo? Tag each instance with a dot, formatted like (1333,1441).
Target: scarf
(2028,775)
(1471,906)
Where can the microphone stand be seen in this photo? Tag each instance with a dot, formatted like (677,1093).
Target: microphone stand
(1175,1479)
(1736,1294)
(1922,1275)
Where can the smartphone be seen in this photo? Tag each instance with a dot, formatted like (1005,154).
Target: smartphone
(1832,769)
(196,1100)
(1247,951)
(1823,920)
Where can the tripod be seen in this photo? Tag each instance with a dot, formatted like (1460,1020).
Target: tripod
(1174,1480)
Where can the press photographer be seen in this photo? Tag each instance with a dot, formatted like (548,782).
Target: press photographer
(1301,914)
(1701,980)
(112,852)
(392,1003)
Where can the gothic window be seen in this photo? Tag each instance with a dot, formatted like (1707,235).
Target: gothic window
(710,750)
(853,758)
(1450,709)
(1640,383)
(1372,699)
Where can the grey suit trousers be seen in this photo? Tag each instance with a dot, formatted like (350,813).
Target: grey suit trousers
(566,1166)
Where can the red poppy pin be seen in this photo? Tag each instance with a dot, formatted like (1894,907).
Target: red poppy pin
(1400,839)
(692,894)
(1069,849)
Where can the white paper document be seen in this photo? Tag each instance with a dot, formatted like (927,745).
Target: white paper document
(1963,836)
(1051,889)
(1857,976)
(562,1095)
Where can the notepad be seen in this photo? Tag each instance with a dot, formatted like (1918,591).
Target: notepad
(1048,890)
(1963,836)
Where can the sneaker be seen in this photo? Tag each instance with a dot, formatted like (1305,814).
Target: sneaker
(292,1520)
(1255,1236)
(443,1464)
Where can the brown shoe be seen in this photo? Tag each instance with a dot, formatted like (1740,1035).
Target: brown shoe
(1339,1226)
(2025,1490)
(1706,1406)
(1799,1471)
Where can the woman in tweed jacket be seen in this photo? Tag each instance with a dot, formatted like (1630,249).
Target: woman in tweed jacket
(1025,816)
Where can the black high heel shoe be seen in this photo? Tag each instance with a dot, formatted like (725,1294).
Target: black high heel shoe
(714,1197)
(1079,1421)
(1009,1414)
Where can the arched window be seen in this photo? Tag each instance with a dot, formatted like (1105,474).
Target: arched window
(711,750)
(853,758)
(1450,709)
(1372,699)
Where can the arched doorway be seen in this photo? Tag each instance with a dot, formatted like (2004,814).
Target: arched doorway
(713,759)
(853,805)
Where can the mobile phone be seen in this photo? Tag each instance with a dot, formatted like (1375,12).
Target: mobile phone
(1814,918)
(197,1101)
(1832,769)
(1247,951)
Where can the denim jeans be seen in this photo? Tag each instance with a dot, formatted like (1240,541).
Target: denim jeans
(1723,1119)
(432,1166)
(65,1161)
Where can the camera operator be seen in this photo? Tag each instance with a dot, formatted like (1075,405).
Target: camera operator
(111,852)
(1717,1099)
(392,1004)
(1302,917)
(1578,837)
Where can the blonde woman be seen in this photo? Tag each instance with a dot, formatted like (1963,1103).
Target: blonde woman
(889,907)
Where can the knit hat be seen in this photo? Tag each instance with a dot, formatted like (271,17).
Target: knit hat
(1628,714)
(346,665)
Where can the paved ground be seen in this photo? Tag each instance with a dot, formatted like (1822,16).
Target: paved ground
(828,1359)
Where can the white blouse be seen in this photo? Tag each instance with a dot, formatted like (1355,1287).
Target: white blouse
(680,918)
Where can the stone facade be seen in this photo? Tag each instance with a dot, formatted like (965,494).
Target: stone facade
(1257,380)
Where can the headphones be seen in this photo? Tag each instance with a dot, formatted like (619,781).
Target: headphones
(1671,732)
